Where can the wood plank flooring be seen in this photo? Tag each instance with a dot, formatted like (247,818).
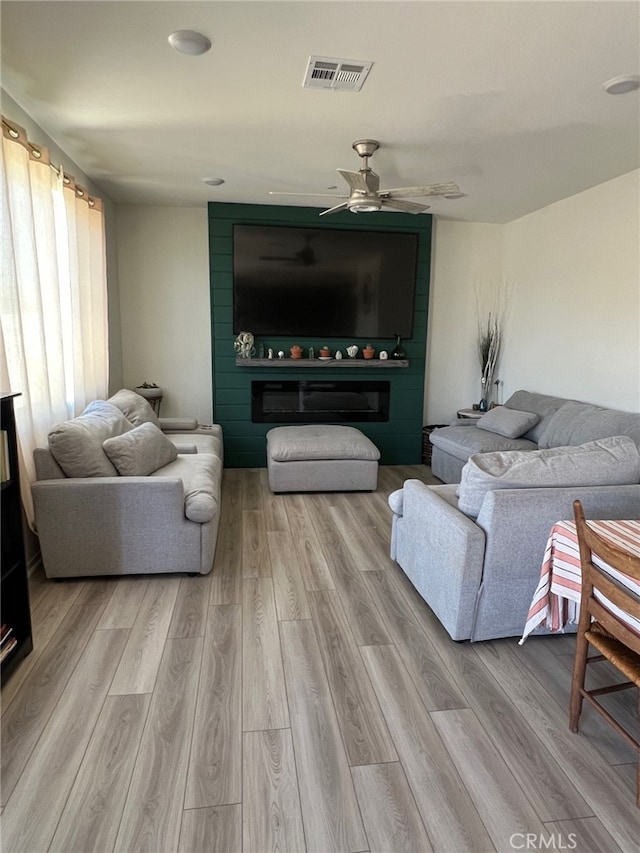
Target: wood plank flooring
(301,697)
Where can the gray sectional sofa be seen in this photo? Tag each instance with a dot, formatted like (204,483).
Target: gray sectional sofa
(499,429)
(473,548)
(120,491)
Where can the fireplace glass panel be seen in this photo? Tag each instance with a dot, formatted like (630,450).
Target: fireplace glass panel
(319,402)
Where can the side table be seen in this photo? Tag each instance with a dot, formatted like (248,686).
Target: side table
(470,414)
(155,403)
(152,396)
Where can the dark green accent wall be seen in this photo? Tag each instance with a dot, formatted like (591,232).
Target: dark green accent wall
(399,439)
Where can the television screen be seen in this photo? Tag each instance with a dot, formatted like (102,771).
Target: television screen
(323,282)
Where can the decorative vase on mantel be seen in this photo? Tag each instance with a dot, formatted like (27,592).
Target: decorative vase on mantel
(398,353)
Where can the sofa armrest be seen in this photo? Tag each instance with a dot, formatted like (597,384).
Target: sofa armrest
(441,552)
(178,424)
(114,525)
(146,500)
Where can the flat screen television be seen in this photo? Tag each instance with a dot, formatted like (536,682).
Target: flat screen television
(323,282)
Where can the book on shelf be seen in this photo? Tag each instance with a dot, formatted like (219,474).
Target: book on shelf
(8,648)
(5,469)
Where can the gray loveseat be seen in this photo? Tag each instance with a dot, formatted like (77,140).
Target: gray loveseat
(474,551)
(120,491)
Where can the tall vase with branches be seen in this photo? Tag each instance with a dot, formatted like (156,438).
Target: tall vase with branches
(488,351)
(491,310)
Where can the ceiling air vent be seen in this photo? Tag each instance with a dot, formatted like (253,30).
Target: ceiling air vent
(346,75)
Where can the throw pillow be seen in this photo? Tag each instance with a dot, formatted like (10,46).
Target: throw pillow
(141,451)
(544,405)
(76,445)
(134,407)
(508,422)
(607,462)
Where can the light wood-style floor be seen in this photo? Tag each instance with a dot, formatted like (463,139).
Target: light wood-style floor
(301,697)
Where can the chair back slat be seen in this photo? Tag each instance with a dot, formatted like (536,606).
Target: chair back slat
(608,621)
(595,578)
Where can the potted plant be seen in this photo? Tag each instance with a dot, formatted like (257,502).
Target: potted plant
(149,390)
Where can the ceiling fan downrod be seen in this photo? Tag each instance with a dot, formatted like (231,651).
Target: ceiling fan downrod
(365,148)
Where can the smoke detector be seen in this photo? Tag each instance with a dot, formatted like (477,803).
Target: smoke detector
(189,42)
(345,75)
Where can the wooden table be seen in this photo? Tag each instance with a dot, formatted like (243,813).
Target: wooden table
(472,414)
(556,601)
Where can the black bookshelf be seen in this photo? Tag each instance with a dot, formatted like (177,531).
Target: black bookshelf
(16,641)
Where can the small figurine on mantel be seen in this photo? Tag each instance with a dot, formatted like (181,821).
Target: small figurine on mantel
(270,353)
(244,345)
(338,355)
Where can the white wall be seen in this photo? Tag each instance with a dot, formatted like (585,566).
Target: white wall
(574,326)
(573,321)
(163,261)
(467,256)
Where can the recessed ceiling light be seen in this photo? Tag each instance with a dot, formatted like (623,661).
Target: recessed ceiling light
(189,42)
(622,85)
(213,182)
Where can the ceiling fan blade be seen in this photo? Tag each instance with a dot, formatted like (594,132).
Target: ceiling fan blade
(356,180)
(404,206)
(430,189)
(324,195)
(335,209)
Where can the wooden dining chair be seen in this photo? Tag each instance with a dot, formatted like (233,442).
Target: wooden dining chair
(598,627)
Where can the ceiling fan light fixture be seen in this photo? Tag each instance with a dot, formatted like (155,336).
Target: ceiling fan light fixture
(365,206)
(452,196)
(189,42)
(622,85)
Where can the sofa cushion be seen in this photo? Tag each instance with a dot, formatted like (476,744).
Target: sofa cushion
(574,423)
(201,475)
(511,423)
(543,405)
(606,462)
(134,407)
(76,445)
(463,441)
(326,441)
(140,451)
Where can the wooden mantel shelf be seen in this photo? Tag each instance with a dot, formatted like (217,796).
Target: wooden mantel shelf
(316,362)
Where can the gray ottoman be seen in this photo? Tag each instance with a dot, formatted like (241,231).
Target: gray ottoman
(322,458)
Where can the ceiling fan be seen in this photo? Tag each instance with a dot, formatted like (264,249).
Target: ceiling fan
(365,195)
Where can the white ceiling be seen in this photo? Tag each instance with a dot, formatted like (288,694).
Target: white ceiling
(504,98)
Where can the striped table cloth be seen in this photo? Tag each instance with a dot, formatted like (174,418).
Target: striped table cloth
(556,601)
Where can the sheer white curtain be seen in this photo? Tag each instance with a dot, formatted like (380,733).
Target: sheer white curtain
(53,307)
